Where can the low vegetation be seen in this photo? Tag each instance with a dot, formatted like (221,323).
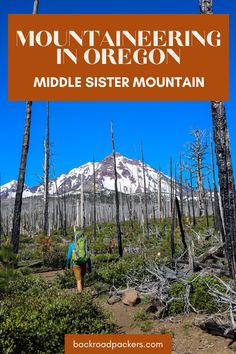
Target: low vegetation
(35,314)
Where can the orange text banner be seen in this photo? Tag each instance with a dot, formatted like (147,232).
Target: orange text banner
(118,343)
(118,57)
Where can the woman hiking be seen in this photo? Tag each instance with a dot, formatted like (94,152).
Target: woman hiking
(77,257)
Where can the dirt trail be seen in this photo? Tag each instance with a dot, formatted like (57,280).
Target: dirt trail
(187,338)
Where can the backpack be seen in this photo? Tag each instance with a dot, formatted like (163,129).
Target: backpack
(80,253)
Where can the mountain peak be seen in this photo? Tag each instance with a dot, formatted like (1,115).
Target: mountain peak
(129,173)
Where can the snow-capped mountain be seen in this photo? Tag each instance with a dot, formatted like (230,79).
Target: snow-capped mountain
(130,179)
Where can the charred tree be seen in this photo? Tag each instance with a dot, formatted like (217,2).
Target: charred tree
(205,202)
(181,184)
(64,213)
(15,235)
(226,180)
(218,218)
(197,152)
(94,206)
(171,186)
(172,234)
(82,212)
(59,206)
(46,175)
(182,233)
(192,198)
(225,169)
(187,196)
(159,195)
(118,229)
(145,194)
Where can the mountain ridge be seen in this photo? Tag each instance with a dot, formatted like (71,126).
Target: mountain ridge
(129,171)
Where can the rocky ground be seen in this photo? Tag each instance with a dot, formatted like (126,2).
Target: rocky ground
(187,338)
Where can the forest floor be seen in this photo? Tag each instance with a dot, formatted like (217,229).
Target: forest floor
(187,338)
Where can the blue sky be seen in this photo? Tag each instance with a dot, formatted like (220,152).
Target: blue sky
(81,129)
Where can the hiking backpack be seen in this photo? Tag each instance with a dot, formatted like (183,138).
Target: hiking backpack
(80,253)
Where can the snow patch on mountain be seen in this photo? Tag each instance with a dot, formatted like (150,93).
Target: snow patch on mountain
(129,172)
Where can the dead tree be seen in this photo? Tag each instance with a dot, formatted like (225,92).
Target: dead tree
(118,229)
(226,180)
(187,197)
(129,202)
(159,195)
(197,153)
(60,213)
(171,186)
(172,234)
(218,218)
(192,198)
(182,233)
(94,203)
(172,211)
(225,169)
(15,235)
(64,212)
(82,213)
(145,194)
(205,202)
(46,175)
(181,184)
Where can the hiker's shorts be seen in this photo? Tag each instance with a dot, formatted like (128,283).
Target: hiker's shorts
(79,271)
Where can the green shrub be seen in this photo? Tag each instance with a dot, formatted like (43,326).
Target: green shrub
(27,254)
(140,315)
(99,245)
(199,295)
(55,258)
(65,280)
(37,324)
(8,261)
(8,258)
(116,272)
(24,271)
(29,284)
(177,292)
(105,258)
(146,326)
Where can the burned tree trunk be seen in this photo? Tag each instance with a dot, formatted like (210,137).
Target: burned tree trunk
(192,198)
(94,203)
(225,169)
(46,176)
(118,229)
(218,218)
(171,186)
(145,194)
(181,185)
(205,202)
(82,213)
(15,236)
(187,196)
(226,180)
(180,224)
(172,235)
(64,213)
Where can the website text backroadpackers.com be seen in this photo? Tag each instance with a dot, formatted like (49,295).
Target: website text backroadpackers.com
(117,345)
(114,343)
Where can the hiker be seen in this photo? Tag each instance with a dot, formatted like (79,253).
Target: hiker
(77,257)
